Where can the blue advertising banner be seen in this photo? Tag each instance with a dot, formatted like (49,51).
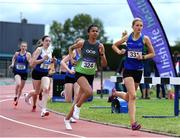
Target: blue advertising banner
(153,28)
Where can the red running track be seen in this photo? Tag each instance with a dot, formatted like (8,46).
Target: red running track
(21,122)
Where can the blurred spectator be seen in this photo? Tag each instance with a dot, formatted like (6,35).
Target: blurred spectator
(160,88)
(177,62)
(119,86)
(145,88)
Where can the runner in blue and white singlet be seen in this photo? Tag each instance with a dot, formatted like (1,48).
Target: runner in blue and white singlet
(133,66)
(41,60)
(20,64)
(44,66)
(70,80)
(134,49)
(71,88)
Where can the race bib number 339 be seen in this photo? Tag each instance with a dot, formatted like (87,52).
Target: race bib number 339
(134,54)
(88,65)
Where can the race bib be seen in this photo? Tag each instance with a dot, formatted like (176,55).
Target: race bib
(20,67)
(44,66)
(88,65)
(134,54)
(72,68)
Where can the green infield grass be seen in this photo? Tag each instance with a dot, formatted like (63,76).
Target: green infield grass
(151,106)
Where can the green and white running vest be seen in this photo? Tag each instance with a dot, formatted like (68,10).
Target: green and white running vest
(87,64)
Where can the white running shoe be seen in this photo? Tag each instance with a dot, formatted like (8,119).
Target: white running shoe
(76,112)
(62,94)
(28,101)
(72,120)
(44,113)
(67,124)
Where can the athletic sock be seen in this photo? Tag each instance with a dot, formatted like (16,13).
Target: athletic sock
(44,100)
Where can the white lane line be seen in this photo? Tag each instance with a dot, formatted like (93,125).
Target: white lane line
(5,100)
(6,96)
(42,128)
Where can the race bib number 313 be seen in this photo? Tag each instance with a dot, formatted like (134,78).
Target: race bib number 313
(134,54)
(88,65)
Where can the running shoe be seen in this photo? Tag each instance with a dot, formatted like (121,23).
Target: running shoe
(40,96)
(44,113)
(28,101)
(72,120)
(15,98)
(67,124)
(62,94)
(15,101)
(135,126)
(34,109)
(112,95)
(76,112)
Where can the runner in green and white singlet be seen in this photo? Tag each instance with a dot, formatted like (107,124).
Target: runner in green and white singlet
(89,55)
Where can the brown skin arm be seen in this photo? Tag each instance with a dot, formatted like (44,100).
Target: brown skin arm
(77,45)
(102,55)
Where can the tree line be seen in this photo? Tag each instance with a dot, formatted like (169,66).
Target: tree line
(64,35)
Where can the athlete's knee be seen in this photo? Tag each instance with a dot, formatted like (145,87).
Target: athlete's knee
(18,85)
(132,96)
(127,97)
(45,90)
(36,92)
(89,92)
(20,90)
(68,100)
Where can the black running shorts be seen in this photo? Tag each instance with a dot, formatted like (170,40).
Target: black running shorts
(135,74)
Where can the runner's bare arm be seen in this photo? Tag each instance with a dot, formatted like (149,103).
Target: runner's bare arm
(13,59)
(151,52)
(77,45)
(28,57)
(119,43)
(64,61)
(102,55)
(34,60)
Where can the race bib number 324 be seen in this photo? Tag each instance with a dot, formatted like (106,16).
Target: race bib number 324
(88,65)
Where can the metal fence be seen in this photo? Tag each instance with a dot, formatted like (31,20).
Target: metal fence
(4,68)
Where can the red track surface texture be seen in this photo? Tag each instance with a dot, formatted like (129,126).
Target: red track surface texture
(21,122)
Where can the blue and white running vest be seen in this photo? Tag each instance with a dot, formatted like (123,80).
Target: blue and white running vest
(72,67)
(134,48)
(44,66)
(21,64)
